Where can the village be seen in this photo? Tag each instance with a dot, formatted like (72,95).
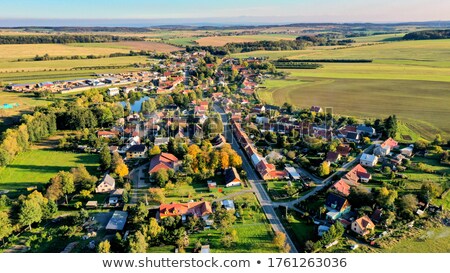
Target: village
(192,149)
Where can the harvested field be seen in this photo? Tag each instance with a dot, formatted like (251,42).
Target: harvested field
(151,46)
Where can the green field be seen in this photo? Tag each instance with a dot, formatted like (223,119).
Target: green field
(432,241)
(36,167)
(409,79)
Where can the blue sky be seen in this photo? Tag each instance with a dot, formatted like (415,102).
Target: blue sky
(267,10)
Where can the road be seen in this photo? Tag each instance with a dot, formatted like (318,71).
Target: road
(254,181)
(138,183)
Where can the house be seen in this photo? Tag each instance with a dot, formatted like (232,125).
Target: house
(200,209)
(353,137)
(137,151)
(336,206)
(358,173)
(115,197)
(106,134)
(113,91)
(366,130)
(161,141)
(408,151)
(341,187)
(107,184)
(293,174)
(343,150)
(205,249)
(386,147)
(232,177)
(228,204)
(92,204)
(363,225)
(376,215)
(211,185)
(333,157)
(117,221)
(368,160)
(163,161)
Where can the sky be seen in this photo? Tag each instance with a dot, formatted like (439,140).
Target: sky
(225,11)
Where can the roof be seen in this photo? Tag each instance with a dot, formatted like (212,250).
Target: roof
(389,142)
(376,215)
(109,180)
(231,174)
(161,140)
(368,157)
(117,221)
(193,208)
(140,148)
(228,204)
(352,135)
(332,156)
(342,187)
(335,201)
(364,222)
(92,204)
(162,161)
(343,150)
(293,172)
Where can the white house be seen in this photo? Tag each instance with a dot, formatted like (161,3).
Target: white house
(113,91)
(408,151)
(368,160)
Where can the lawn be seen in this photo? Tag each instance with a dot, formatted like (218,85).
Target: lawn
(432,241)
(36,167)
(254,233)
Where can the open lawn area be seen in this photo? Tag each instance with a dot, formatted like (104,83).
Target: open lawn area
(36,167)
(432,241)
(254,232)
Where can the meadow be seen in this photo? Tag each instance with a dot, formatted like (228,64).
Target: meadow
(432,241)
(37,166)
(223,40)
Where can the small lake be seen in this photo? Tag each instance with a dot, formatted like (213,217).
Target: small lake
(135,105)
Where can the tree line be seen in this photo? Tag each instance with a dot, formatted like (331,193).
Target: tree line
(64,39)
(327,60)
(428,35)
(323,40)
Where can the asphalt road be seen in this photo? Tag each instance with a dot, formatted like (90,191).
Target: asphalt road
(254,181)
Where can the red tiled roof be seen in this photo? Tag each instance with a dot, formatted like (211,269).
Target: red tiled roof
(342,187)
(162,161)
(195,208)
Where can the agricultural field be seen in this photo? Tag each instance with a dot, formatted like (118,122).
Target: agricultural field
(223,40)
(149,46)
(37,166)
(395,83)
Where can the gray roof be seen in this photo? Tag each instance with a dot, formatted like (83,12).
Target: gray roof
(109,180)
(117,221)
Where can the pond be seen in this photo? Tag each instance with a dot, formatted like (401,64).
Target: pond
(135,105)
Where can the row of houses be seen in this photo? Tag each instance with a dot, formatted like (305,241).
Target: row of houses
(266,170)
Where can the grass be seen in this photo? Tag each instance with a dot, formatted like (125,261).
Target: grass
(36,167)
(422,104)
(434,241)
(254,233)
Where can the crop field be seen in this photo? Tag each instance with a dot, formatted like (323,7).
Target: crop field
(36,167)
(409,79)
(148,45)
(222,40)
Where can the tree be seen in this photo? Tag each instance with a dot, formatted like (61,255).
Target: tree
(104,247)
(161,177)
(324,169)
(154,229)
(408,205)
(430,190)
(438,140)
(121,169)
(30,213)
(224,160)
(5,224)
(280,242)
(309,246)
(82,178)
(224,218)
(54,191)
(105,158)
(157,195)
(67,183)
(138,244)
(386,198)
(155,150)
(360,196)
